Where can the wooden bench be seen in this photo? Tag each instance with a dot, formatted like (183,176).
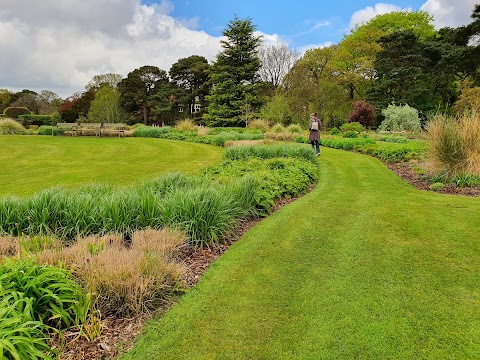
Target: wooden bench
(113,128)
(72,127)
(90,128)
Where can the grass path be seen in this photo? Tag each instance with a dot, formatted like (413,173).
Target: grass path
(363,267)
(32,163)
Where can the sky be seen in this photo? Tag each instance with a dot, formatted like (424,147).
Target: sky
(60,45)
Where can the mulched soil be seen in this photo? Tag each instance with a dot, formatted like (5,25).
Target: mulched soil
(118,334)
(406,172)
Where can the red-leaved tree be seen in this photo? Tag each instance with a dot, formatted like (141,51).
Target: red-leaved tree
(362,112)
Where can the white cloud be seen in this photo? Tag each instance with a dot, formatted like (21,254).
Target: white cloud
(61,45)
(369,12)
(452,13)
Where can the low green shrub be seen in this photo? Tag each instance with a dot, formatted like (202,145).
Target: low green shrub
(220,138)
(33,119)
(11,127)
(389,152)
(277,177)
(350,134)
(352,126)
(302,140)
(400,118)
(334,131)
(295,129)
(401,140)
(151,131)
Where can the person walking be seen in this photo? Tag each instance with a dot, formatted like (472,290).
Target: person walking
(314,137)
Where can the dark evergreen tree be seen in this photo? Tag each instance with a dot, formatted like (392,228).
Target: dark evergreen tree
(404,74)
(234,76)
(191,75)
(137,90)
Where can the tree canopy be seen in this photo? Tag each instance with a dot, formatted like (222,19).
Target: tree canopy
(234,75)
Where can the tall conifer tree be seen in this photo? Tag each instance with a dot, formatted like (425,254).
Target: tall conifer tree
(234,76)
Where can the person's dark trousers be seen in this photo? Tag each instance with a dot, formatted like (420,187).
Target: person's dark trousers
(316,145)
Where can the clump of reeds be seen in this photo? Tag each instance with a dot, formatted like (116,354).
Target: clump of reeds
(454,143)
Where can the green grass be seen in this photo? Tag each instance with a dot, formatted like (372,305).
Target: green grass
(32,163)
(363,267)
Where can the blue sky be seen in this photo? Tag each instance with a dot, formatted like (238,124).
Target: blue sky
(300,22)
(61,48)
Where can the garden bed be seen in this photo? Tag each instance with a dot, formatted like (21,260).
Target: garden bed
(406,172)
(118,334)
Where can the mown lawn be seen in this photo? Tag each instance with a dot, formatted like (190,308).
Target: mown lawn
(32,163)
(363,267)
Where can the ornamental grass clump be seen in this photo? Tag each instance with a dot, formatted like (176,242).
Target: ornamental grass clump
(270,151)
(208,213)
(186,125)
(454,145)
(126,278)
(11,127)
(259,124)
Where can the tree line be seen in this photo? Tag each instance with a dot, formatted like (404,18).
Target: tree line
(395,58)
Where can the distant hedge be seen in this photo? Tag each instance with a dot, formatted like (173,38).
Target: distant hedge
(32,119)
(14,112)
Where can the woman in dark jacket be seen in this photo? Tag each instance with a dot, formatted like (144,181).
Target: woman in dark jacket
(314,137)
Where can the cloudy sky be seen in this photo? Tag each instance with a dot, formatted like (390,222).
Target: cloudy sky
(59,45)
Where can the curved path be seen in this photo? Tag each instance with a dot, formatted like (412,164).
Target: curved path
(363,267)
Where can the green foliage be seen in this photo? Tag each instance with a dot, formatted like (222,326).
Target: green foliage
(277,128)
(11,127)
(352,126)
(436,186)
(295,129)
(105,108)
(277,110)
(401,140)
(405,73)
(216,137)
(32,119)
(389,152)
(57,298)
(234,76)
(138,90)
(14,111)
(277,177)
(100,209)
(334,131)
(259,124)
(270,151)
(21,336)
(400,118)
(350,134)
